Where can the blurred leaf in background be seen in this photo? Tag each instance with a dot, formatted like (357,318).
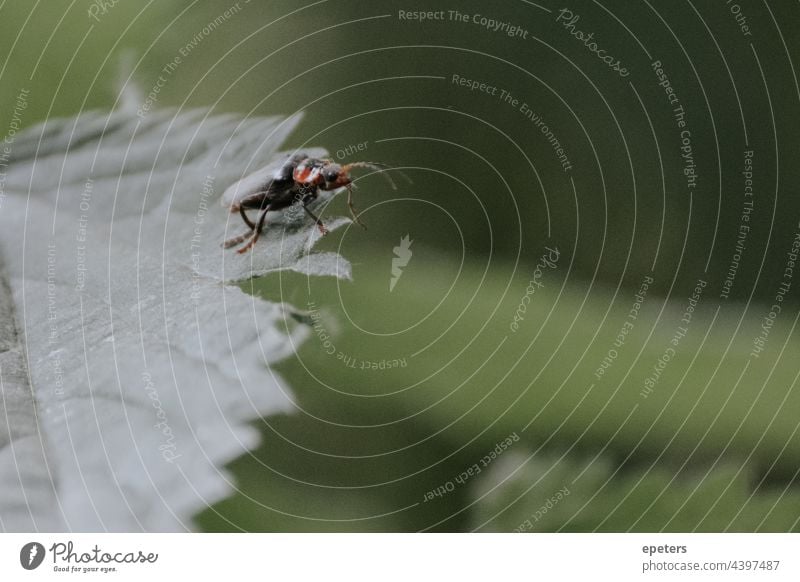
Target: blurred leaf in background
(582,495)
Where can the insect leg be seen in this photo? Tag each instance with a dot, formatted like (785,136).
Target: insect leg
(246,219)
(259,226)
(352,208)
(232,242)
(320,225)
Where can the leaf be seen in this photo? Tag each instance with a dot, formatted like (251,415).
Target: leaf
(479,374)
(548,493)
(144,365)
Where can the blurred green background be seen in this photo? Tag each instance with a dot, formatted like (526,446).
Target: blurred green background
(713,447)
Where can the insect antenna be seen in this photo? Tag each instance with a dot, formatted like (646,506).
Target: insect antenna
(381,168)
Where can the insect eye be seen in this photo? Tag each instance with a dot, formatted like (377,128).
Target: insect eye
(330,175)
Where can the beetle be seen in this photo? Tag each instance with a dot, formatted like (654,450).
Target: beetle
(297,180)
